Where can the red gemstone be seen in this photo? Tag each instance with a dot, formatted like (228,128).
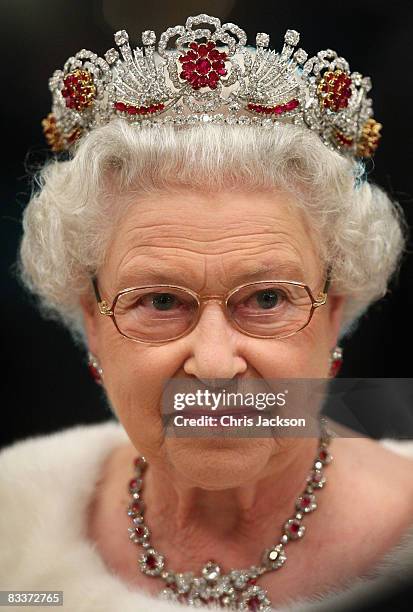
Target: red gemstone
(218,64)
(133,483)
(214,54)
(203,66)
(203,50)
(294,527)
(194,46)
(151,561)
(171,586)
(291,105)
(323,454)
(253,603)
(140,531)
(131,110)
(278,110)
(120,106)
(213,77)
(210,46)
(252,581)
(222,71)
(136,507)
(94,372)
(188,66)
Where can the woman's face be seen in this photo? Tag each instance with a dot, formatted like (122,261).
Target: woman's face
(208,243)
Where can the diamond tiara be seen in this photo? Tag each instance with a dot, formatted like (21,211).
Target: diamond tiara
(210,74)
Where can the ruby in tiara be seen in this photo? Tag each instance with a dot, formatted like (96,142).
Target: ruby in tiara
(334,90)
(79,90)
(138,110)
(274,110)
(203,65)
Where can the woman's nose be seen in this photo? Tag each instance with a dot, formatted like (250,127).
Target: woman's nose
(214,346)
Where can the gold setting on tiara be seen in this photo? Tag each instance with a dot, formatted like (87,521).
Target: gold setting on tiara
(208,74)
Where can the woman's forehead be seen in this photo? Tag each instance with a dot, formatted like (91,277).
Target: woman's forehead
(219,215)
(239,237)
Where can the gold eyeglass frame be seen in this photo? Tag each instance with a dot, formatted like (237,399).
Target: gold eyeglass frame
(107,310)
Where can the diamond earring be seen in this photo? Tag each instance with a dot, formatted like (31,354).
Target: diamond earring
(94,368)
(335,361)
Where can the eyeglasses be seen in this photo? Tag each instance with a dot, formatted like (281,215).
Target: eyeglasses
(161,313)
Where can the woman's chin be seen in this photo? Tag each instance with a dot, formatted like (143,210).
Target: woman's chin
(219,463)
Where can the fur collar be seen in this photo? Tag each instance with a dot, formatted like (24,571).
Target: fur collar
(45,485)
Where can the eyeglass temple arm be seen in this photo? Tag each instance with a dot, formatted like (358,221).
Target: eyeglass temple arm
(103,305)
(322,297)
(96,289)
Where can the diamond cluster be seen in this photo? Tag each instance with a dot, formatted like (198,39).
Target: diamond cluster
(205,72)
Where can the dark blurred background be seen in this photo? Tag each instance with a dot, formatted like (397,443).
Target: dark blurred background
(46,385)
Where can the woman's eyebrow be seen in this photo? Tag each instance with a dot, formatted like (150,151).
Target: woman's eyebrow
(279,270)
(146,275)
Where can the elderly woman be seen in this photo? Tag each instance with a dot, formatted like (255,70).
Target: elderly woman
(181,243)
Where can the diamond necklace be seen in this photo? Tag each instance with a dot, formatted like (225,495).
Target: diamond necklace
(236,590)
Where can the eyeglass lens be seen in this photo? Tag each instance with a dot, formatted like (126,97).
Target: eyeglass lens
(160,313)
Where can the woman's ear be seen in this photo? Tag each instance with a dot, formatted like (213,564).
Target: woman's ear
(335,313)
(90,313)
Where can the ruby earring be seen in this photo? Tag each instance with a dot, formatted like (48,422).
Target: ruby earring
(94,368)
(336,361)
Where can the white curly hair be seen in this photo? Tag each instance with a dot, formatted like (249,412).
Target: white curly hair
(76,204)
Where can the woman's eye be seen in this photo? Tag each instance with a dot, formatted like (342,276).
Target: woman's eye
(162,301)
(266,299)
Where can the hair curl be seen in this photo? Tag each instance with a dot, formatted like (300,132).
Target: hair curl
(72,212)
